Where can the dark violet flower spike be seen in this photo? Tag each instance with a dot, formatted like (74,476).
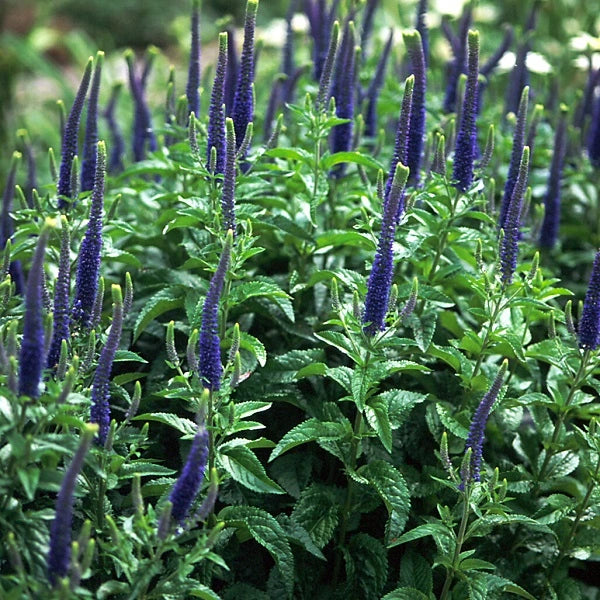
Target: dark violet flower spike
(367,23)
(193,82)
(589,324)
(549,230)
(509,245)
(115,161)
(216,111)
(287,62)
(515,157)
(417,116)
(69,140)
(375,89)
(88,262)
(321,21)
(31,359)
(326,72)
(584,109)
(188,483)
(231,74)
(401,145)
(59,553)
(466,138)
(228,191)
(6,222)
(62,287)
(536,117)
(88,164)
(210,365)
(100,407)
(243,103)
(421,27)
(380,279)
(593,145)
(478,423)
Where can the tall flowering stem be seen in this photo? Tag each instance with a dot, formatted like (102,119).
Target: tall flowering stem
(325,80)
(88,164)
(509,246)
(380,279)
(209,344)
(31,359)
(421,27)
(515,157)
(466,139)
(61,319)
(549,230)
(243,103)
(193,81)
(589,325)
(115,161)
(69,140)
(321,19)
(216,111)
(189,481)
(59,553)
(88,264)
(100,408)
(228,191)
(417,117)
(457,65)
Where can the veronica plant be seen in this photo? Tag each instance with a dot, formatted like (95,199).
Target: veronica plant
(193,82)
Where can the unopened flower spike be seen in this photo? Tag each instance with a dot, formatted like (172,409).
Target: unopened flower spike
(439,156)
(243,103)
(193,81)
(402,132)
(75,187)
(135,401)
(100,408)
(117,143)
(336,305)
(536,117)
(59,552)
(6,222)
(170,344)
(589,324)
(88,263)
(69,139)
(192,352)
(31,358)
(52,165)
(569,318)
(515,157)
(216,111)
(128,296)
(380,279)
(509,244)
(325,78)
(466,138)
(235,343)
(488,151)
(88,164)
(551,223)
(411,303)
(416,134)
(229,179)
(375,88)
(210,345)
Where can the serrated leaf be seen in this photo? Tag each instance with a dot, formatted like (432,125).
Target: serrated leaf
(243,465)
(162,302)
(204,592)
(406,593)
(308,431)
(369,565)
(400,403)
(127,355)
(268,533)
(376,412)
(391,487)
(185,426)
(450,423)
(317,511)
(427,529)
(254,345)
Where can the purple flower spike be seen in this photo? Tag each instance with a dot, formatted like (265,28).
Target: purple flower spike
(321,21)
(380,279)
(69,141)
(401,145)
(515,157)
(6,223)
(231,75)
(88,263)
(59,553)
(209,343)
(287,61)
(189,481)
(228,191)
(549,231)
(457,65)
(466,139)
(62,287)
(421,27)
(31,360)
(88,165)
(115,161)
(593,147)
(509,247)
(367,23)
(193,82)
(343,90)
(478,423)
(584,109)
(216,113)
(375,89)
(243,103)
(417,116)
(589,326)
(100,408)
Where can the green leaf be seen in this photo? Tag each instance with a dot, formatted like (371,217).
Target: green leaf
(391,487)
(243,465)
(415,572)
(339,341)
(252,344)
(406,593)
(268,533)
(317,511)
(368,566)
(344,239)
(424,328)
(432,529)
(126,355)
(204,592)
(400,403)
(376,412)
(358,158)
(450,423)
(182,425)
(309,431)
(168,299)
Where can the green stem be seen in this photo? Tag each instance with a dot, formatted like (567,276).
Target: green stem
(488,333)
(459,542)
